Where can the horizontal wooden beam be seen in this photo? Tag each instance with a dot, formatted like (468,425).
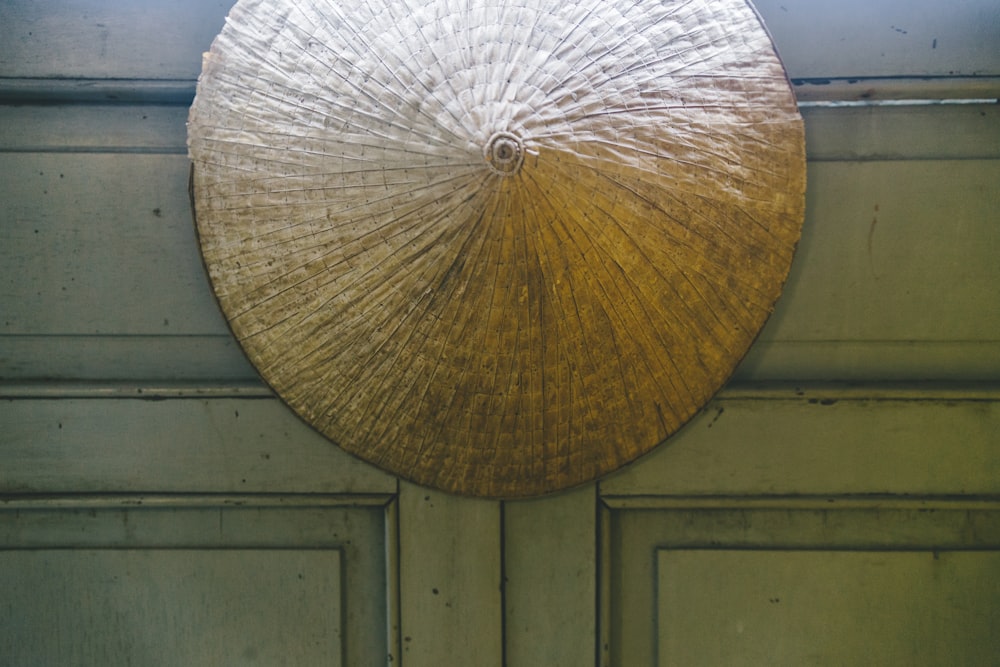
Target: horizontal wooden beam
(768,391)
(96,91)
(804,502)
(97,501)
(807,90)
(135,390)
(875,90)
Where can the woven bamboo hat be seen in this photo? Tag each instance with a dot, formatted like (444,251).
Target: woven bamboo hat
(491,247)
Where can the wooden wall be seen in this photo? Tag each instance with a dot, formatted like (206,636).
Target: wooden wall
(146,472)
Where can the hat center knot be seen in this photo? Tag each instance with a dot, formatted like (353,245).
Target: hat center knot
(504,153)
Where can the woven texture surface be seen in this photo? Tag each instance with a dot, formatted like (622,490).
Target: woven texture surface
(491,248)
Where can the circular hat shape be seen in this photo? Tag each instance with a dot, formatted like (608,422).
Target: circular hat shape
(493,248)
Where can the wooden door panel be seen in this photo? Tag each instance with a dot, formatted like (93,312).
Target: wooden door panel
(450,579)
(827,441)
(702,582)
(912,266)
(164,39)
(823,607)
(193,580)
(169,439)
(105,303)
(890,281)
(550,563)
(171,607)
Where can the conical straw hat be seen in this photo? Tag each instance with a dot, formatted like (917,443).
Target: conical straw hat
(497,248)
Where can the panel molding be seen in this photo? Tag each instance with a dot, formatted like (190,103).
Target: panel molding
(958,503)
(633,537)
(191,501)
(149,390)
(353,528)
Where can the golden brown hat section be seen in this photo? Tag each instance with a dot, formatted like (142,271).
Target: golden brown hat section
(492,248)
